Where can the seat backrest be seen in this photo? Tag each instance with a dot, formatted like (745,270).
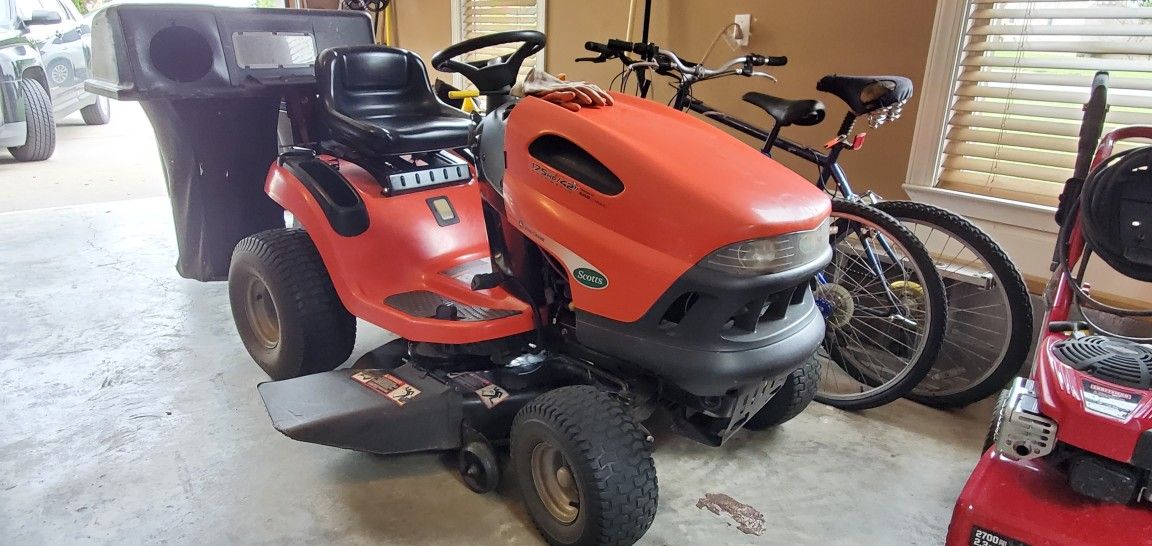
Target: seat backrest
(367,82)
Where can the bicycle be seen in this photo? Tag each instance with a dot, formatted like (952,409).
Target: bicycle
(990,318)
(882,298)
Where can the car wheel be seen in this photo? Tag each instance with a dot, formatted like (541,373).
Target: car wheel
(97,113)
(41,141)
(60,73)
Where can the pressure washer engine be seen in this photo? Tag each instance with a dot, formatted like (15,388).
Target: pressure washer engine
(1068,458)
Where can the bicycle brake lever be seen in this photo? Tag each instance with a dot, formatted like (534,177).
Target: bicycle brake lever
(599,59)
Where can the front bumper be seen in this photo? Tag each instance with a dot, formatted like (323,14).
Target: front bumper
(13,126)
(711,332)
(13,133)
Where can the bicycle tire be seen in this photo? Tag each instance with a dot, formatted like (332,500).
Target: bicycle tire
(986,342)
(871,389)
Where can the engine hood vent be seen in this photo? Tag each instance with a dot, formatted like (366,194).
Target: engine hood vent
(1114,360)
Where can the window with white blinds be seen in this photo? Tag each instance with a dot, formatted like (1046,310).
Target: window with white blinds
(1024,72)
(472,18)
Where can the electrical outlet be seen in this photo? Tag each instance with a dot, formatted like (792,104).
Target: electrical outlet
(744,21)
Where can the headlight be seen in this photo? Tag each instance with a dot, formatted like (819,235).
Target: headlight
(771,255)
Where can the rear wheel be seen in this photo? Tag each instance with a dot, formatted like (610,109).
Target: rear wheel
(794,395)
(97,113)
(285,307)
(884,306)
(41,122)
(989,310)
(584,467)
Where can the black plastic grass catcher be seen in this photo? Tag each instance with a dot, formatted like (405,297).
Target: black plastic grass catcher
(211,81)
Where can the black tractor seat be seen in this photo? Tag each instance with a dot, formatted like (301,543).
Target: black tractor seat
(866,94)
(788,112)
(376,100)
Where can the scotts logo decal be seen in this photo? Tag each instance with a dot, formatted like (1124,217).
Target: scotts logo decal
(590,278)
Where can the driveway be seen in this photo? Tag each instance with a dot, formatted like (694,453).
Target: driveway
(92,164)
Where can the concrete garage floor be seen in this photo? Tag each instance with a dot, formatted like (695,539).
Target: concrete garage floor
(130,415)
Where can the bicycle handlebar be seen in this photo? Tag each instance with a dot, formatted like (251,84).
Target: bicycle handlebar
(596,47)
(768,60)
(665,59)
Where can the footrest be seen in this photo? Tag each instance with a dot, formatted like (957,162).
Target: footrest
(381,411)
(423,303)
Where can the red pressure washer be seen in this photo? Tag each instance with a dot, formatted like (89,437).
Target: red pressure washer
(1069,452)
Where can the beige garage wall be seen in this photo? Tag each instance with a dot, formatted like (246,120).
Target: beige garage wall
(818,36)
(424,26)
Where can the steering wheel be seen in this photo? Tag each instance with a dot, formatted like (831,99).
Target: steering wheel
(495,75)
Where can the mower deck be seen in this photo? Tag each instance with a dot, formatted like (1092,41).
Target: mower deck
(401,410)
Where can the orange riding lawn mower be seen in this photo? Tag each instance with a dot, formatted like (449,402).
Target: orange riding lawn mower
(555,275)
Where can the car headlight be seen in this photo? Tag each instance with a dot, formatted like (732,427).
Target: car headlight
(770,255)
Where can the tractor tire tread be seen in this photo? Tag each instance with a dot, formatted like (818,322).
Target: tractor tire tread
(798,391)
(617,450)
(292,259)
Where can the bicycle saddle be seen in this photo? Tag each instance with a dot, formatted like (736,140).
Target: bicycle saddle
(788,112)
(865,94)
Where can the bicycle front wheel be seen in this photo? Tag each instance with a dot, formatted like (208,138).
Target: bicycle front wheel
(989,310)
(884,306)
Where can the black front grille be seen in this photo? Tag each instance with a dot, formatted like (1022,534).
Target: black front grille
(1115,360)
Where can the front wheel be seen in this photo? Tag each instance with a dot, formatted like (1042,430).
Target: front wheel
(584,467)
(41,123)
(884,307)
(794,395)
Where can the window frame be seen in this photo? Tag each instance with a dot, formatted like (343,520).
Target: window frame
(1025,230)
(457,16)
(925,161)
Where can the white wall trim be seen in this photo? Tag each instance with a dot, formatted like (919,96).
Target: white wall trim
(457,14)
(1026,231)
(541,25)
(936,91)
(457,31)
(992,209)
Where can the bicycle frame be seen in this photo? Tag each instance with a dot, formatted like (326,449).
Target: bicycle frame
(827,163)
